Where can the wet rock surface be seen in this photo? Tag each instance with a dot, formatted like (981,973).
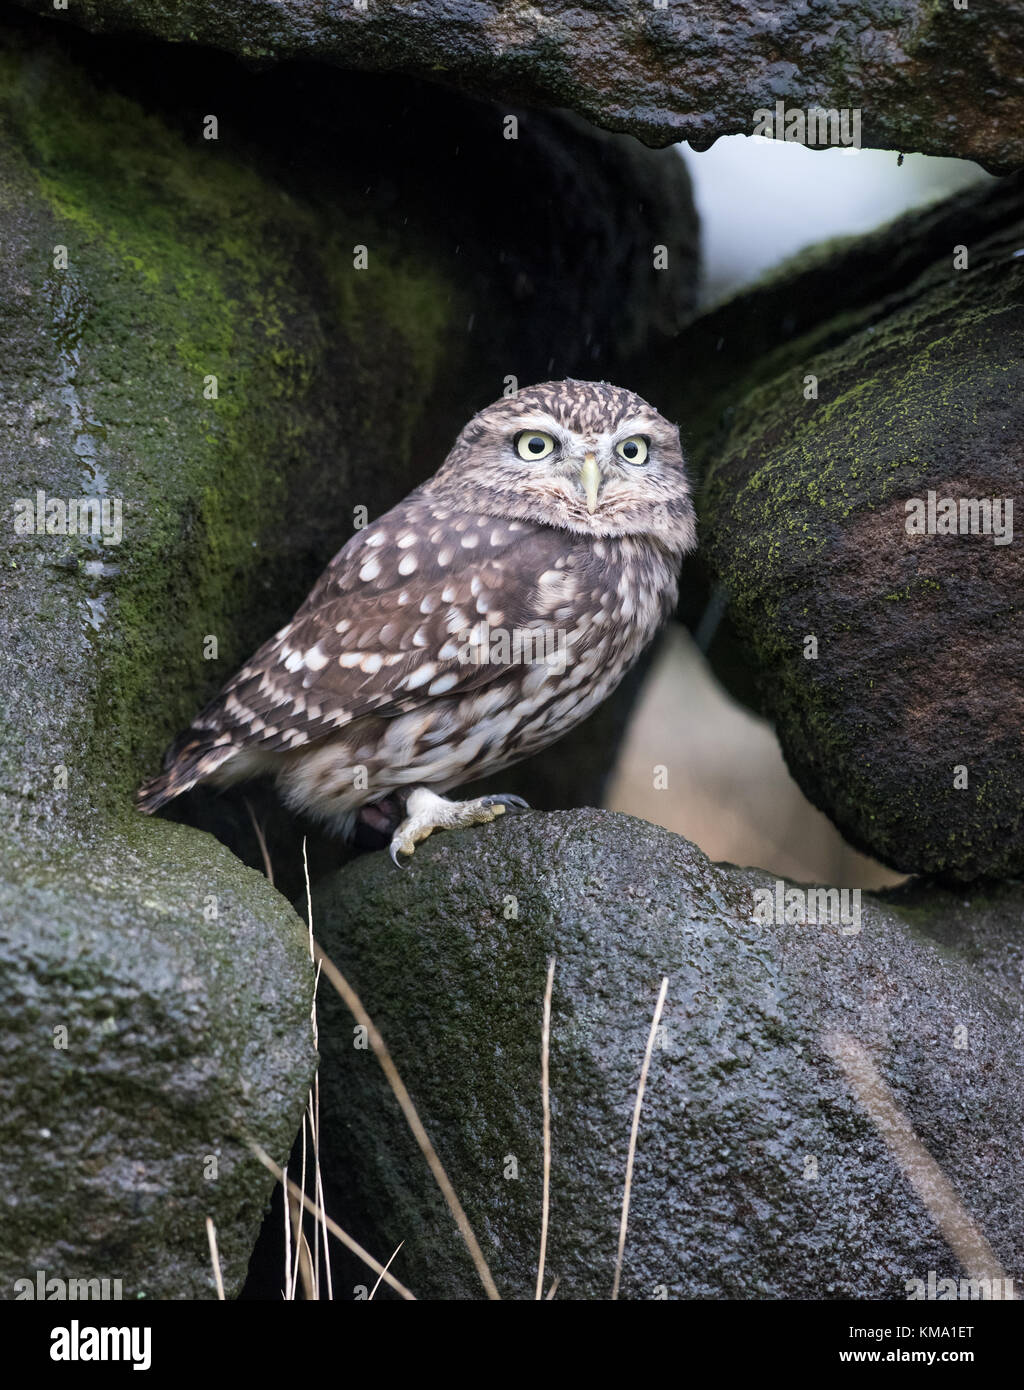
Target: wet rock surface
(937,79)
(839,405)
(156,1000)
(758,1173)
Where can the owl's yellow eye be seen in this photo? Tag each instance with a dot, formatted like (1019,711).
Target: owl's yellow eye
(533,444)
(633,449)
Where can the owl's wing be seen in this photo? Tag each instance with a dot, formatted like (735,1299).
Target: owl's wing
(383,629)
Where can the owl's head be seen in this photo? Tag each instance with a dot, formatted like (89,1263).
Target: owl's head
(591,458)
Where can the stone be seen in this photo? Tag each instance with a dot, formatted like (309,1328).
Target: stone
(156,999)
(758,1174)
(940,79)
(845,406)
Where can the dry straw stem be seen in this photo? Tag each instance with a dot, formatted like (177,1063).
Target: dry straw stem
(286,1291)
(309,1288)
(314,1103)
(301,1244)
(211,1236)
(633,1133)
(307,1263)
(545,1092)
(315,1124)
(959,1229)
(387,1266)
(355,1007)
(294,1190)
(262,841)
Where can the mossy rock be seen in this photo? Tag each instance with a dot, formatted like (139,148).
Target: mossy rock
(156,1000)
(921,76)
(758,1173)
(891,662)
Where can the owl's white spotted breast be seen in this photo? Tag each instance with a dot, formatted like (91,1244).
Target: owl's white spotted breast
(368,677)
(510,711)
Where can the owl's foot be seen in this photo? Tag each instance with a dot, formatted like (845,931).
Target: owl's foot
(426,812)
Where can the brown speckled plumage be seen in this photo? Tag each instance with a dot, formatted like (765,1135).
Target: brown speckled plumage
(367,692)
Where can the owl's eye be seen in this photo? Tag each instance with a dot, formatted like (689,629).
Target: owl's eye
(633,449)
(533,444)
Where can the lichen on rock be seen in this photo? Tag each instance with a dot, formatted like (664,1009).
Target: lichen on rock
(759,1171)
(839,398)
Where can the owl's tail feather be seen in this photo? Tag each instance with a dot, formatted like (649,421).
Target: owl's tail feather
(188,761)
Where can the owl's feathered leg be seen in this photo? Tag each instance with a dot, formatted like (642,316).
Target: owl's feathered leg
(426,812)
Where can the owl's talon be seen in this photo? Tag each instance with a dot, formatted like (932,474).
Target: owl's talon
(427,812)
(513,803)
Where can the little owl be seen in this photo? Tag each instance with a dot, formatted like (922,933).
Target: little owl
(470,626)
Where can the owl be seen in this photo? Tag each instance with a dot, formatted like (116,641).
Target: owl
(470,626)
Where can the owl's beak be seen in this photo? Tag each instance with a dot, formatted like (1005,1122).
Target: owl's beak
(590,477)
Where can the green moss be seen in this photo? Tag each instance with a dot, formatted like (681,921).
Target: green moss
(887,413)
(919,390)
(186,264)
